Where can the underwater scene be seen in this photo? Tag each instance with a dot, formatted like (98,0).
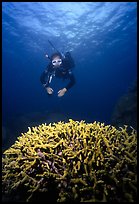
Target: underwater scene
(69,101)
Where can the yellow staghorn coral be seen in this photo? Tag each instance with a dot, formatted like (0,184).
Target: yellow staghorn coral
(73,161)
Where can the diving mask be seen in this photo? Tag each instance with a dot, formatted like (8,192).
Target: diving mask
(57,62)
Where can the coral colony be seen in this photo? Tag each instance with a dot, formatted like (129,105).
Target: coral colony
(73,161)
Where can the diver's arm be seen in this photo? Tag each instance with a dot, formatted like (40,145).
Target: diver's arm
(46,82)
(72,81)
(44,78)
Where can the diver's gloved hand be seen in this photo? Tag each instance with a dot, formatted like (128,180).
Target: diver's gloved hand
(62,92)
(49,90)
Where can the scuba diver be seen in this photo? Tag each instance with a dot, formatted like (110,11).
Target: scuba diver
(60,66)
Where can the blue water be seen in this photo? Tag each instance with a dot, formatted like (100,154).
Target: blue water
(102,39)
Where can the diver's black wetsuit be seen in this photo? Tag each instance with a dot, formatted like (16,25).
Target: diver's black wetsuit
(64,71)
